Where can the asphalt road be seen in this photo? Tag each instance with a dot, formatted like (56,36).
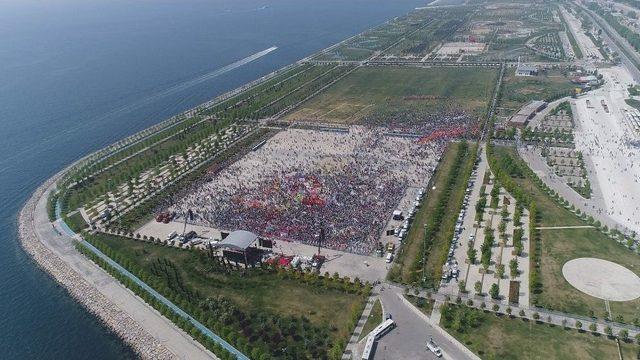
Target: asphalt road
(407,340)
(615,41)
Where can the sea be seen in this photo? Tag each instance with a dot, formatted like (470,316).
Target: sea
(77,75)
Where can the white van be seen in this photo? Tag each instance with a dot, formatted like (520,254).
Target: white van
(389,257)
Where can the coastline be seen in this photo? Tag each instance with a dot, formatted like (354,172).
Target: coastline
(145,330)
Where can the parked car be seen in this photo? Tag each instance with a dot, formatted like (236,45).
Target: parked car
(434,348)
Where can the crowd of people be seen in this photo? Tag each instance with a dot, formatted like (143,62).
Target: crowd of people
(426,123)
(350,182)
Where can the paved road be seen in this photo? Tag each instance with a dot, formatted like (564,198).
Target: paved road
(407,340)
(617,43)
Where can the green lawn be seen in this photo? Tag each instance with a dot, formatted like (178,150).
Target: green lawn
(371,90)
(493,337)
(424,305)
(257,293)
(76,222)
(560,246)
(374,319)
(519,90)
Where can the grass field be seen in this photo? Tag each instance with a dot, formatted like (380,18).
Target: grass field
(495,337)
(561,245)
(254,293)
(518,90)
(424,305)
(374,319)
(371,90)
(76,222)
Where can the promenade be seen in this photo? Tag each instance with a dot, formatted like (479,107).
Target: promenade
(145,330)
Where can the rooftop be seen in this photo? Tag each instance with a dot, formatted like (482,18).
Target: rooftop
(239,240)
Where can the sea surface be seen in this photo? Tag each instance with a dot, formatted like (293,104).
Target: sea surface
(77,75)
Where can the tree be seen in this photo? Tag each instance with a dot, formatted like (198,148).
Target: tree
(462,287)
(608,330)
(536,316)
(521,313)
(623,335)
(478,287)
(500,271)
(496,307)
(593,327)
(494,291)
(578,325)
(513,268)
(471,255)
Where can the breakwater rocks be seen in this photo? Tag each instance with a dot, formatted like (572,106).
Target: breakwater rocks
(144,344)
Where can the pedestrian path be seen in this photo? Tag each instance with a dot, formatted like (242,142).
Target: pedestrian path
(565,227)
(351,346)
(206,331)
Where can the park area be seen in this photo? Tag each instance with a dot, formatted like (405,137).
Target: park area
(261,307)
(503,337)
(555,247)
(547,85)
(403,97)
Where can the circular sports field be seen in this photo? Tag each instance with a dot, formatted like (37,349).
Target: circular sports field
(602,279)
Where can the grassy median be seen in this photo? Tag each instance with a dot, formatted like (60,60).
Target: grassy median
(502,337)
(432,229)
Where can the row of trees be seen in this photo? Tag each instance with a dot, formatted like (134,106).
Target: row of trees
(631,36)
(434,224)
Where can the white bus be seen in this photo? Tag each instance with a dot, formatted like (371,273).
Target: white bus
(375,334)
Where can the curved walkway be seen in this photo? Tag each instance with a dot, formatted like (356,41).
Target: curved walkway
(149,333)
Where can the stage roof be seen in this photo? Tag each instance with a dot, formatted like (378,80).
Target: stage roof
(239,240)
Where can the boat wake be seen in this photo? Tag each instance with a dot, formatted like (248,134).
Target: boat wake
(193,82)
(82,126)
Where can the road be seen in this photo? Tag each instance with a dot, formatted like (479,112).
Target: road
(407,340)
(616,43)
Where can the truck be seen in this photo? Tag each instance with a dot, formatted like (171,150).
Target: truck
(391,247)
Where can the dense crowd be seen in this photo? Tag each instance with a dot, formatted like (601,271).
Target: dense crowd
(348,181)
(425,123)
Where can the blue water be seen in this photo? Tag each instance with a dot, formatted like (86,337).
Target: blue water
(76,75)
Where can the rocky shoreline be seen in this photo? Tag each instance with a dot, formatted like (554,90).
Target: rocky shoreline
(144,344)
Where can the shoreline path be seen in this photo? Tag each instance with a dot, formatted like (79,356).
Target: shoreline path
(145,330)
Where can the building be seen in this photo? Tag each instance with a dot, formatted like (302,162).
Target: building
(240,247)
(526,113)
(526,70)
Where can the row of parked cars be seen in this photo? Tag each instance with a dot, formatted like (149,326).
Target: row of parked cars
(451,269)
(190,236)
(401,231)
